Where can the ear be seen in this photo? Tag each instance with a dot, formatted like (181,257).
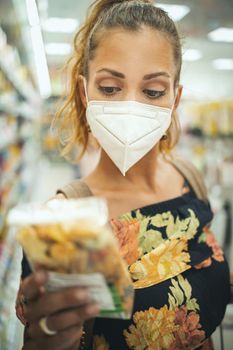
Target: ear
(179,90)
(82,90)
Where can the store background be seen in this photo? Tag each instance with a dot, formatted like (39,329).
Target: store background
(32,52)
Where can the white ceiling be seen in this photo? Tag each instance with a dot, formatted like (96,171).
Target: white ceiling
(198,77)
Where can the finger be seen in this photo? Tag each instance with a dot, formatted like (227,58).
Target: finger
(32,285)
(53,302)
(63,340)
(64,320)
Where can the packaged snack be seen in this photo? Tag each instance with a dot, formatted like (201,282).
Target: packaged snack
(72,239)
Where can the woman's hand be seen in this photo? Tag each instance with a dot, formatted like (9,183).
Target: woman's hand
(65,313)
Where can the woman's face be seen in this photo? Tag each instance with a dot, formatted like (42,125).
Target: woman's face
(135,66)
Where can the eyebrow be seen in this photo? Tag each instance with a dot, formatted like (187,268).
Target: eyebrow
(155,75)
(112,72)
(122,76)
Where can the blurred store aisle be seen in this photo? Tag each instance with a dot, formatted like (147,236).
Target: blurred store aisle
(50,177)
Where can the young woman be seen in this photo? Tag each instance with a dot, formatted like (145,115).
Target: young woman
(124,93)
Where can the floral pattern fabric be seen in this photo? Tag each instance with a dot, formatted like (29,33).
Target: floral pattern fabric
(171,327)
(177,268)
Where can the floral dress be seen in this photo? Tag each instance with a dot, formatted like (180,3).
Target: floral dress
(180,276)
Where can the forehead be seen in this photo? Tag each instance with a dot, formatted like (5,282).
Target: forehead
(138,51)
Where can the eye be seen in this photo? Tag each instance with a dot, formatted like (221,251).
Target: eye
(109,90)
(154,93)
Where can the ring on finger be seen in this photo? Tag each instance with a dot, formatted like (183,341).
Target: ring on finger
(44,327)
(22,300)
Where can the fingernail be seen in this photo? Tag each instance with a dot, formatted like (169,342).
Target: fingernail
(92,309)
(82,295)
(42,290)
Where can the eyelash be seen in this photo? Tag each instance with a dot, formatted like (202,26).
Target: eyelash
(104,90)
(155,94)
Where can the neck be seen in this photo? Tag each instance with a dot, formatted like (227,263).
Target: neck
(142,175)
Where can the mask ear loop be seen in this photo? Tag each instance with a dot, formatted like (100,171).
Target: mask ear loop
(164,137)
(174,101)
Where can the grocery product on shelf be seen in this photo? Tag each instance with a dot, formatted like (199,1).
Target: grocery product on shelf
(9,279)
(212,119)
(19,108)
(207,140)
(48,139)
(16,175)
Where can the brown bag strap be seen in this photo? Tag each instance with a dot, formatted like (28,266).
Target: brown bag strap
(75,189)
(193,176)
(79,189)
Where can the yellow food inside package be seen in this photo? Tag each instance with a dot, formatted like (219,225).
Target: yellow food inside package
(74,242)
(69,247)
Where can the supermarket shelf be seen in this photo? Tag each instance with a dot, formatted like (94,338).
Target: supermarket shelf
(11,173)
(199,134)
(24,110)
(20,109)
(10,141)
(15,136)
(25,90)
(9,279)
(15,140)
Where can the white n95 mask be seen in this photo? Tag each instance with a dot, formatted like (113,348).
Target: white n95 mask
(127,130)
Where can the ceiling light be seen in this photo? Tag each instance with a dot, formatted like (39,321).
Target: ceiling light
(41,65)
(222,34)
(62,25)
(32,13)
(191,55)
(43,78)
(3,39)
(176,12)
(58,49)
(223,63)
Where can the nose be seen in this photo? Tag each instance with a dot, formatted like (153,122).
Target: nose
(131,95)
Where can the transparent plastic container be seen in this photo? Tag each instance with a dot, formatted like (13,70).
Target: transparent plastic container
(74,242)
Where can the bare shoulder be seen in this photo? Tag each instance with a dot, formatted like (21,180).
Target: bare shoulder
(168,167)
(170,176)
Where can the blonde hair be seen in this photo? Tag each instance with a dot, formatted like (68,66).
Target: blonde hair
(70,120)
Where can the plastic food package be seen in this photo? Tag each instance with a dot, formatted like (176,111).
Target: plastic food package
(72,239)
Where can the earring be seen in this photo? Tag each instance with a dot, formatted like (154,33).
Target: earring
(88,128)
